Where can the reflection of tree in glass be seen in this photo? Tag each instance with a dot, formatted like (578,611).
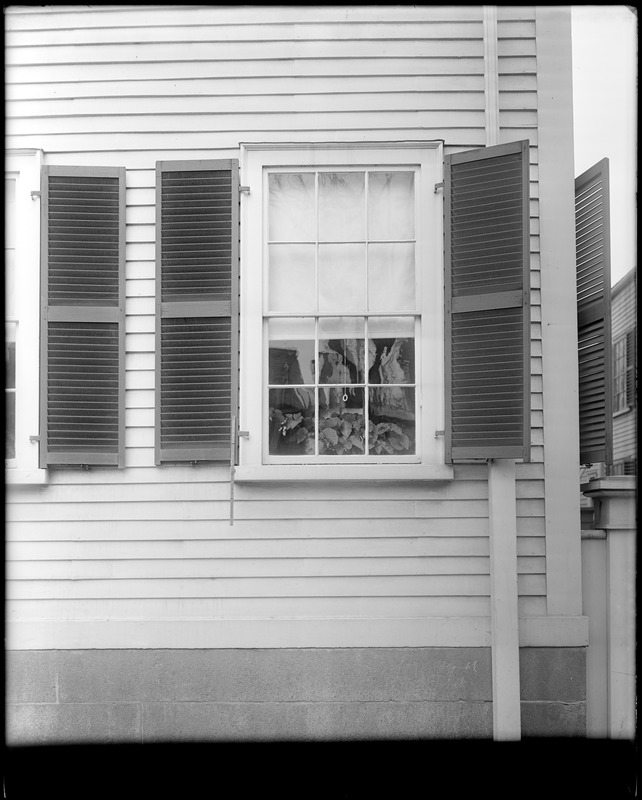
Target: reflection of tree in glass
(393,360)
(390,370)
(393,368)
(333,369)
(284,366)
(342,360)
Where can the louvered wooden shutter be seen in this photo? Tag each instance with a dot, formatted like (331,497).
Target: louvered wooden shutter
(592,241)
(487,257)
(196,309)
(82,418)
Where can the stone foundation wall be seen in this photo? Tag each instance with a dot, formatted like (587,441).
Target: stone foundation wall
(145,696)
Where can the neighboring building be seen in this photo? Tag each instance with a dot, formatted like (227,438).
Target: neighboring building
(623,368)
(624,339)
(344,238)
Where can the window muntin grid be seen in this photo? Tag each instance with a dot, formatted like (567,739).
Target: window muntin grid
(341,252)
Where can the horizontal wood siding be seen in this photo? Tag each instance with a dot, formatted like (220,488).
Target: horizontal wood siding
(517,84)
(127,86)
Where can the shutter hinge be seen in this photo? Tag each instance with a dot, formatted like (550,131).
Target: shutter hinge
(439,433)
(439,186)
(34,438)
(35,194)
(244,434)
(244,189)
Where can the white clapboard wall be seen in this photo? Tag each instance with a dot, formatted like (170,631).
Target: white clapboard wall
(128,86)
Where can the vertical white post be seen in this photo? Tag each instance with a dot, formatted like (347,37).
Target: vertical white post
(504,614)
(620,558)
(558,320)
(614,500)
(594,604)
(491,76)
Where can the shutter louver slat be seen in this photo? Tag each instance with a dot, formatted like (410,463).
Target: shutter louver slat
(83,359)
(593,314)
(487,285)
(197,309)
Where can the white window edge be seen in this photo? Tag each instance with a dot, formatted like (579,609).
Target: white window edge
(343,472)
(15,476)
(621,411)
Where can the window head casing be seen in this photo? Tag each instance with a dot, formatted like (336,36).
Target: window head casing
(342,304)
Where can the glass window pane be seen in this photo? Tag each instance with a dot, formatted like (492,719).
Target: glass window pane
(291,422)
(10,424)
(391,429)
(391,277)
(342,421)
(391,205)
(10,360)
(292,208)
(292,285)
(341,350)
(342,210)
(392,340)
(10,212)
(10,283)
(291,355)
(342,277)
(9,246)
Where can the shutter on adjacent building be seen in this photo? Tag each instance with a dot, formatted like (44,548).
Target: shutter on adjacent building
(593,313)
(83,316)
(196,309)
(487,256)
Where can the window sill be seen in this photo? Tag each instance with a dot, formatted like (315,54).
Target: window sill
(621,412)
(340,472)
(26,476)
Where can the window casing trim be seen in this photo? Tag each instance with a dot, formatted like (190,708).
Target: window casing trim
(24,165)
(426,159)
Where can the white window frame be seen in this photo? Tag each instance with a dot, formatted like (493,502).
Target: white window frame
(24,166)
(256,160)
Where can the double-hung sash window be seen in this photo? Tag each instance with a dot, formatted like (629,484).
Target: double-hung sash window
(624,372)
(341,257)
(342,299)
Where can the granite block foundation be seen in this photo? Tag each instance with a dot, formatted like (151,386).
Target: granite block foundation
(139,696)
